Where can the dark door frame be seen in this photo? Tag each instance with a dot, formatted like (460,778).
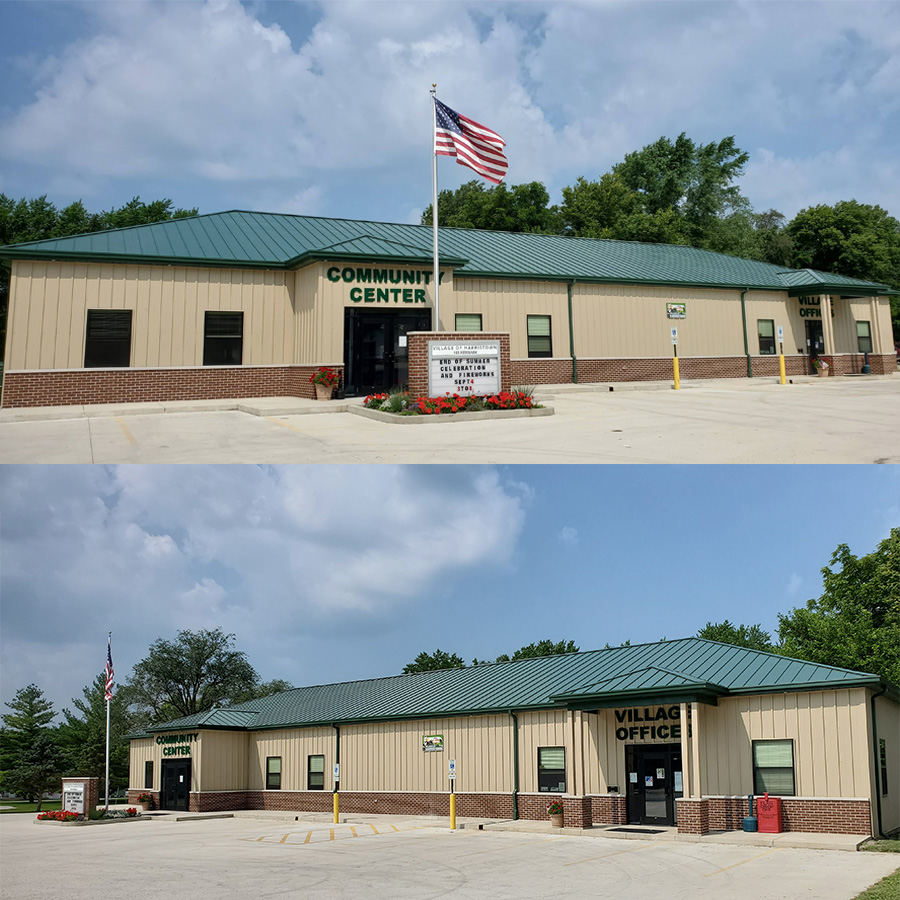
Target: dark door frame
(641,760)
(174,794)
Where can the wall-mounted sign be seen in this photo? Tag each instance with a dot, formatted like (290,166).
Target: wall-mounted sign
(652,723)
(432,743)
(381,281)
(463,367)
(676,310)
(674,332)
(73,797)
(337,771)
(176,744)
(811,307)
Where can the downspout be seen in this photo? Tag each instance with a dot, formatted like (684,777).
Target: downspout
(744,321)
(571,338)
(515,765)
(877,751)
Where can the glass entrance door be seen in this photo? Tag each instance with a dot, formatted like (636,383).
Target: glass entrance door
(175,784)
(654,783)
(815,343)
(376,349)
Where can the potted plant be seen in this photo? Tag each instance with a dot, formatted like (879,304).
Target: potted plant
(820,364)
(555,811)
(324,379)
(146,801)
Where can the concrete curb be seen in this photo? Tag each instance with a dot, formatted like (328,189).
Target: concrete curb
(484,415)
(137,818)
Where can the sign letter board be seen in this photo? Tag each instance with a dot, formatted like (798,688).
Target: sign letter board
(463,367)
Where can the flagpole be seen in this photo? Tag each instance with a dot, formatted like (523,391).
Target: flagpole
(434,214)
(108,701)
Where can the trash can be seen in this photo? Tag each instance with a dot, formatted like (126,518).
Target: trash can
(768,811)
(751,822)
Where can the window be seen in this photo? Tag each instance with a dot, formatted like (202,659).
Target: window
(223,338)
(539,342)
(107,340)
(148,773)
(273,773)
(864,337)
(766,328)
(552,769)
(773,768)
(315,773)
(468,321)
(882,752)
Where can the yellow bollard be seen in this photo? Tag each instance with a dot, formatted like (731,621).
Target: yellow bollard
(336,819)
(675,369)
(781,367)
(453,812)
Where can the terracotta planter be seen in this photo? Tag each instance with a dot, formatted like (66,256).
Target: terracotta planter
(557,821)
(821,372)
(145,806)
(324,391)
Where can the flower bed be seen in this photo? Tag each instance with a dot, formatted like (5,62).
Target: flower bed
(60,815)
(403,404)
(94,817)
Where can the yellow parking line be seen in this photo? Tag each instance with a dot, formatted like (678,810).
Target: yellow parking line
(332,833)
(735,865)
(618,853)
(308,837)
(395,827)
(261,839)
(353,831)
(284,839)
(125,430)
(374,829)
(282,424)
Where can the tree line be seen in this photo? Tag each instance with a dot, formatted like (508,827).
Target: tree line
(854,624)
(684,192)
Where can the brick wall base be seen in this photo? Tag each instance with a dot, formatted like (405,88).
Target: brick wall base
(819,816)
(88,386)
(133,795)
(693,816)
(611,809)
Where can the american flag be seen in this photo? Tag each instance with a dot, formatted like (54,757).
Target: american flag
(472,144)
(109,671)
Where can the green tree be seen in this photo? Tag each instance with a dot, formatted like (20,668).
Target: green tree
(82,736)
(263,689)
(753,637)
(194,673)
(520,207)
(27,747)
(856,622)
(440,659)
(853,239)
(540,648)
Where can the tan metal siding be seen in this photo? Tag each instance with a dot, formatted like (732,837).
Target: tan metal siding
(223,758)
(546,728)
(630,321)
(784,311)
(141,751)
(849,312)
(49,303)
(887,715)
(828,729)
(388,756)
(293,746)
(506,305)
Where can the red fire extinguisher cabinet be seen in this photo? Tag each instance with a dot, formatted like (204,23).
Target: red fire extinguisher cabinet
(768,810)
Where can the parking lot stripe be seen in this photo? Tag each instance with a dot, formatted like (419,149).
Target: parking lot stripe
(126,431)
(735,865)
(284,839)
(648,846)
(308,837)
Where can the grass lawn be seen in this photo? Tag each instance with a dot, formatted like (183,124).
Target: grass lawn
(892,846)
(886,889)
(20,806)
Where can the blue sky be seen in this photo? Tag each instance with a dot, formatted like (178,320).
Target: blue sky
(343,572)
(323,108)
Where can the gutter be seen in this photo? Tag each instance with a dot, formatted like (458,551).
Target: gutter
(877,754)
(569,287)
(744,321)
(515,765)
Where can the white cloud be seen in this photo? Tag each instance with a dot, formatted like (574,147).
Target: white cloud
(568,536)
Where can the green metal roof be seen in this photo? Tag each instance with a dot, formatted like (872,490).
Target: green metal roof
(673,671)
(277,241)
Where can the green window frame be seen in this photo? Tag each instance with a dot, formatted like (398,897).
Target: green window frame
(468,322)
(773,768)
(148,774)
(223,338)
(864,336)
(315,773)
(552,770)
(273,773)
(540,338)
(765,328)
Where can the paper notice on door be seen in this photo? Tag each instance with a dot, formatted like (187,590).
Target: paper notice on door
(401,340)
(660,774)
(632,777)
(648,781)
(679,784)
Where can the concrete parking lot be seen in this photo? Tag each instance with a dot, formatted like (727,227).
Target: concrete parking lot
(840,420)
(395,860)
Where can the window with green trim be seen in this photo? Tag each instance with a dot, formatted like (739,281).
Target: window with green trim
(273,773)
(766,331)
(468,322)
(540,343)
(773,768)
(864,337)
(552,769)
(315,773)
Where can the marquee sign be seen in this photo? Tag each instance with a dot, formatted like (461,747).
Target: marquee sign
(463,367)
(73,797)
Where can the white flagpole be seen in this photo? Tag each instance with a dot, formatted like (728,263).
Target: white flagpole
(434,215)
(108,651)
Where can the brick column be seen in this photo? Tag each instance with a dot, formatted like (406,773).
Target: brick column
(91,791)
(693,816)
